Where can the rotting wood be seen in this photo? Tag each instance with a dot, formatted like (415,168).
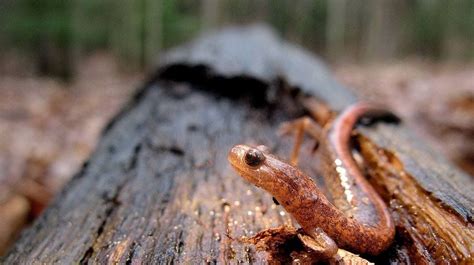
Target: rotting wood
(158,189)
(286,244)
(427,230)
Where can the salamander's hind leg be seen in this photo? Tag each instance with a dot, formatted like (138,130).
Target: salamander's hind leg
(301,126)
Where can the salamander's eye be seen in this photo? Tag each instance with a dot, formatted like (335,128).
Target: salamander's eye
(254,157)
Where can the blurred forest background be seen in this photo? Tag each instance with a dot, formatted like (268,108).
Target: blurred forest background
(56,34)
(66,68)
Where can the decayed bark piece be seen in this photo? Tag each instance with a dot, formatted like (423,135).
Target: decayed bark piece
(159,188)
(428,228)
(286,244)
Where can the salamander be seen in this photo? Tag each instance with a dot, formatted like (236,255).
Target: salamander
(356,219)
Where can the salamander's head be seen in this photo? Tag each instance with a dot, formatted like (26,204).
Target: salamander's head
(254,164)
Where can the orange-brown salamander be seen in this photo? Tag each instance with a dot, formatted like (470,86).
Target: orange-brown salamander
(357,219)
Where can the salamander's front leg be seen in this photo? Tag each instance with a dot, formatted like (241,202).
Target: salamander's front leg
(320,242)
(300,126)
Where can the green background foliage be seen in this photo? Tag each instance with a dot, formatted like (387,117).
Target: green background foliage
(136,30)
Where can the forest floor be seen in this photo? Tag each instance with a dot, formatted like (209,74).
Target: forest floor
(48,128)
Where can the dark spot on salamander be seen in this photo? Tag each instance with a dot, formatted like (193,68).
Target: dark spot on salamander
(275,201)
(384,116)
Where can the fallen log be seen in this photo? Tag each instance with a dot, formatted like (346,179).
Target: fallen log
(158,188)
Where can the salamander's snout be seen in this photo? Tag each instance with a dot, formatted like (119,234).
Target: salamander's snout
(243,155)
(236,154)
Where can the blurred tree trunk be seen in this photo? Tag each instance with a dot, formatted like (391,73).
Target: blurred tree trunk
(261,9)
(354,33)
(135,35)
(382,39)
(209,14)
(54,43)
(335,28)
(299,14)
(453,44)
(374,27)
(116,19)
(152,30)
(77,22)
(126,31)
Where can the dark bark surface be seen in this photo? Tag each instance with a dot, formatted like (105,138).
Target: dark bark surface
(159,187)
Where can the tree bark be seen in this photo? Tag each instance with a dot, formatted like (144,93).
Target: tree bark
(159,189)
